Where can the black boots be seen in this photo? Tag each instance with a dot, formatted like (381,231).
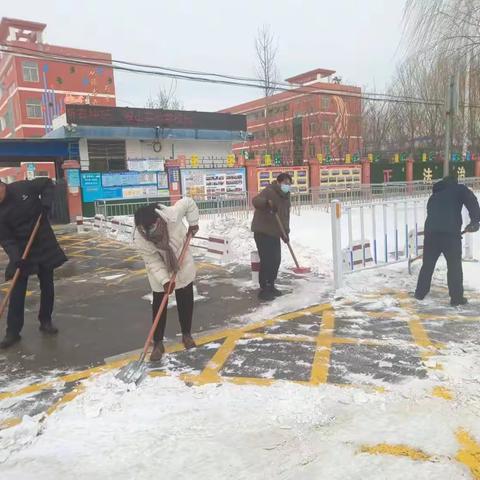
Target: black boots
(269,293)
(458,302)
(9,340)
(48,328)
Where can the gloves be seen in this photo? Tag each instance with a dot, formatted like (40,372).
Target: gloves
(473,227)
(193,230)
(285,238)
(169,287)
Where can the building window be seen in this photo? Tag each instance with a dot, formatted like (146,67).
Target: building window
(30,72)
(313,127)
(325,103)
(311,150)
(106,155)
(34,108)
(3,124)
(325,126)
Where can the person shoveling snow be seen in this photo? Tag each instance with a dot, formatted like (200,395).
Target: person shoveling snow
(160,236)
(271,222)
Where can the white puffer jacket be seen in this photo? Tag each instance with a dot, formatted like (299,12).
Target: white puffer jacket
(155,265)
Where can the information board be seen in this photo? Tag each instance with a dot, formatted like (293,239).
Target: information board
(123,185)
(299,176)
(207,182)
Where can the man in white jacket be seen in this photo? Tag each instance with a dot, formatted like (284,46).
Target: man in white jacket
(159,237)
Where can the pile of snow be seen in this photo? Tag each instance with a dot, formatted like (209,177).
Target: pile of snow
(167,429)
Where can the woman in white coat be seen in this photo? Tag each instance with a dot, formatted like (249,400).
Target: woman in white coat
(159,237)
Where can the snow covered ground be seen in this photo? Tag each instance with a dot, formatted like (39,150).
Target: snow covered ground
(167,429)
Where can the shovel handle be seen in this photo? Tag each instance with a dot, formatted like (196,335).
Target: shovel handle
(165,299)
(15,278)
(284,233)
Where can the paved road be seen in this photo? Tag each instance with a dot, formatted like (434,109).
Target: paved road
(101,308)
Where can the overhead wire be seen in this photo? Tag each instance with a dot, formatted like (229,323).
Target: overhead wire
(136,68)
(178,71)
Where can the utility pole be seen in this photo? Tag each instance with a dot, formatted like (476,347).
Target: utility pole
(451,109)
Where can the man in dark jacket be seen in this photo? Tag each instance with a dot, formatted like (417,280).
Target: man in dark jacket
(443,235)
(273,200)
(21,203)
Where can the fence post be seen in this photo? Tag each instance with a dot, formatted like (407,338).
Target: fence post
(336,216)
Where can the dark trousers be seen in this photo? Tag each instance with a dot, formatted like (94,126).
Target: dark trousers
(16,308)
(451,246)
(184,298)
(270,253)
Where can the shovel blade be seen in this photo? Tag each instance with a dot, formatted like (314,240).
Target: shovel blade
(301,270)
(134,372)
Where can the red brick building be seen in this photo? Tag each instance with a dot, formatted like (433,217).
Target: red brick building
(34,86)
(318,116)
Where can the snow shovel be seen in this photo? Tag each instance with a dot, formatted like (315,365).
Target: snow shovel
(135,371)
(26,252)
(298,269)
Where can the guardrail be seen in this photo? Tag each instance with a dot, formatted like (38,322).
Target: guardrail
(376,234)
(239,204)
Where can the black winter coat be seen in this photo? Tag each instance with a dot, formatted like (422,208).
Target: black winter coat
(19,212)
(444,208)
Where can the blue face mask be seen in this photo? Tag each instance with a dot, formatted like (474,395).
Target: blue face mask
(285,188)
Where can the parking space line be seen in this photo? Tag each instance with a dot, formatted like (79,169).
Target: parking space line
(396,450)
(469,453)
(321,361)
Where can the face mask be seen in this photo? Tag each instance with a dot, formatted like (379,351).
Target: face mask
(285,188)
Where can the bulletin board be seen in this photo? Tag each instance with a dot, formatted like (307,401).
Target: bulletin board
(300,177)
(340,175)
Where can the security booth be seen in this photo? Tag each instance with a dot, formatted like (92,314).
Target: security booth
(133,156)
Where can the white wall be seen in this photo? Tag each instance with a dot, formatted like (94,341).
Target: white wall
(202,148)
(136,149)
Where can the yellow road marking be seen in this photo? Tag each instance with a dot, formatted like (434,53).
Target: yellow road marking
(469,454)
(280,338)
(321,361)
(72,377)
(396,450)
(68,397)
(210,373)
(442,392)
(10,422)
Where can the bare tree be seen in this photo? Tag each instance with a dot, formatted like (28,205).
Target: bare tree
(165,99)
(266,70)
(266,53)
(439,28)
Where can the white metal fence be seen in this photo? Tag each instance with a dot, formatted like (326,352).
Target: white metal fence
(239,204)
(376,234)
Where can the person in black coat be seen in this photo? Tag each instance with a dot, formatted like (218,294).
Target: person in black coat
(443,235)
(21,203)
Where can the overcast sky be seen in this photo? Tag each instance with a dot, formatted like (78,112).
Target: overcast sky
(358,38)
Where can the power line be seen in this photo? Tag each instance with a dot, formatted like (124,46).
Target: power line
(277,84)
(133,68)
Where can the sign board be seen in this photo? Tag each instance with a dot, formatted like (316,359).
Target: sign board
(340,175)
(145,164)
(205,182)
(123,185)
(150,117)
(194,160)
(73,177)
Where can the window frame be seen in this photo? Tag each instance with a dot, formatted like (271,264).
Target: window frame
(29,66)
(29,104)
